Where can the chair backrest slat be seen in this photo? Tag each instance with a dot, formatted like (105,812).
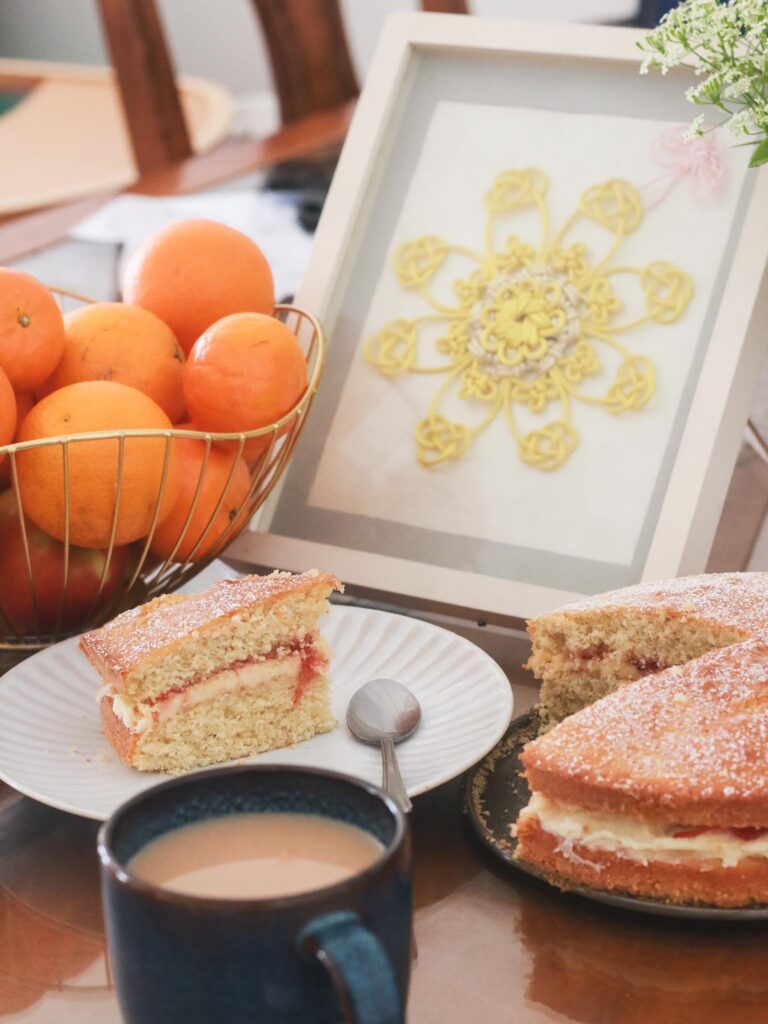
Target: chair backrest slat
(145,74)
(308,50)
(445,6)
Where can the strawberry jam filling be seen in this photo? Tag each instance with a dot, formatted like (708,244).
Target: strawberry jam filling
(602,652)
(647,665)
(313,663)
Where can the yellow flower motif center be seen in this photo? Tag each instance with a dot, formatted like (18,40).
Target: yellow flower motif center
(524,322)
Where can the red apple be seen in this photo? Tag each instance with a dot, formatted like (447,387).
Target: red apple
(47,560)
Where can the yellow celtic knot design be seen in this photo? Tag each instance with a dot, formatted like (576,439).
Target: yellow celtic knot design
(528,323)
(438,440)
(549,447)
(394,348)
(416,262)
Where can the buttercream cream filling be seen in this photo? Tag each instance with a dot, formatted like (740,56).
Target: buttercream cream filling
(643,841)
(300,666)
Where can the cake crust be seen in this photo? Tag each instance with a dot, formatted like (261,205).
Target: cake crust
(150,631)
(675,882)
(685,746)
(731,600)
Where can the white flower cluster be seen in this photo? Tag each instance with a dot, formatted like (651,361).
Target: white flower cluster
(726,43)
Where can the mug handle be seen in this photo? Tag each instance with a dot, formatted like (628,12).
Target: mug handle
(358,967)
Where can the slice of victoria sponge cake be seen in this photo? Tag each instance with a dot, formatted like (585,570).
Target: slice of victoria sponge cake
(239,669)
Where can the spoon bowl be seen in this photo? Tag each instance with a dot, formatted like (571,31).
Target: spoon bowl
(384,712)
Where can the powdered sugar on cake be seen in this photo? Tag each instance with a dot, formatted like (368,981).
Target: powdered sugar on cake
(701,729)
(138,633)
(735,599)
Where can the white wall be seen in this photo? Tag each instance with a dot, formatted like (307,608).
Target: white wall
(220,39)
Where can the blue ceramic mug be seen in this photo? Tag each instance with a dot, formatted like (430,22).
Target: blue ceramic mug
(341,953)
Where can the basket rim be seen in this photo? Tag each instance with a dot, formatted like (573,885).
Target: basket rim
(201,435)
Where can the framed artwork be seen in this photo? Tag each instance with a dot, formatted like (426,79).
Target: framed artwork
(546,311)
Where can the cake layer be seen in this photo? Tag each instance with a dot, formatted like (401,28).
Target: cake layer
(644,841)
(590,647)
(233,724)
(580,659)
(674,881)
(299,667)
(162,645)
(686,745)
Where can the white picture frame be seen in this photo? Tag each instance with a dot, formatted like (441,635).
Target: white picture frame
(709,435)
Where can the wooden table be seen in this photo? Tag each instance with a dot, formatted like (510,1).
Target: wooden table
(493,947)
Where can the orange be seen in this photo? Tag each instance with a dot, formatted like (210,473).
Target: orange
(44,389)
(127,344)
(23,404)
(217,469)
(7,411)
(31,330)
(93,465)
(193,273)
(244,373)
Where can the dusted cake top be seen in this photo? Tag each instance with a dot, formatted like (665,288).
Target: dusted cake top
(164,643)
(738,600)
(688,744)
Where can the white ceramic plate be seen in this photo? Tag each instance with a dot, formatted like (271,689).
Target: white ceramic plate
(52,747)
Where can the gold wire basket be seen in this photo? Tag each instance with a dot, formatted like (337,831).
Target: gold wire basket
(149,576)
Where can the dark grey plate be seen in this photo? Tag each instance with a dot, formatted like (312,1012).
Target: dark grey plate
(496,792)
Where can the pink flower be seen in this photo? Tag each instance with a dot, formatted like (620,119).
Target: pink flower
(697,159)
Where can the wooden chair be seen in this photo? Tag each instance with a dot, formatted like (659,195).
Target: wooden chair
(137,45)
(308,51)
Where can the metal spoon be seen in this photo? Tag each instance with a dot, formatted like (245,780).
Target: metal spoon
(385,712)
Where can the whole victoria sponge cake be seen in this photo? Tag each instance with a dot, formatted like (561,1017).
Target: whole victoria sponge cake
(591,647)
(660,788)
(234,671)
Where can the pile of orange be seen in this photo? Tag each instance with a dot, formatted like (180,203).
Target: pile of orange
(194,343)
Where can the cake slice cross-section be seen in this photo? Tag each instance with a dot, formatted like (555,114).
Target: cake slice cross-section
(194,680)
(661,788)
(589,648)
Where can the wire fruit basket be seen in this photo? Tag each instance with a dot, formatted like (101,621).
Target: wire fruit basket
(132,574)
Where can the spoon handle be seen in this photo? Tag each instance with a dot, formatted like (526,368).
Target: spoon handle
(392,780)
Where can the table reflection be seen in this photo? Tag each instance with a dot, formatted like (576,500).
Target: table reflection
(51,936)
(494,946)
(591,963)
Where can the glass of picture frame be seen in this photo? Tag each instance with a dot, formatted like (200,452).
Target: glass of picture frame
(546,313)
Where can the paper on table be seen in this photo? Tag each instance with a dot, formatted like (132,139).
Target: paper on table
(268,218)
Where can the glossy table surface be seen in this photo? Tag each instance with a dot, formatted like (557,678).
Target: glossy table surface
(491,945)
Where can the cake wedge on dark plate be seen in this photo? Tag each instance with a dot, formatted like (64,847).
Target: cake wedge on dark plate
(661,788)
